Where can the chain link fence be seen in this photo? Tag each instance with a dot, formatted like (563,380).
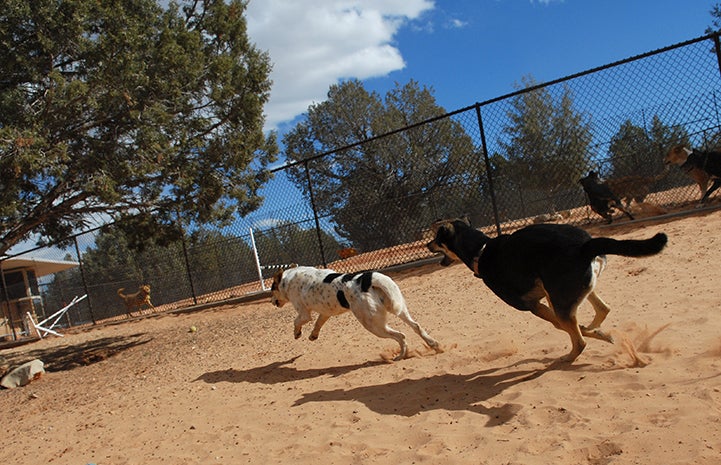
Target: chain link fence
(505,163)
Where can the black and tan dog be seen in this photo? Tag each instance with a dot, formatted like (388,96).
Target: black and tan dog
(556,261)
(701,166)
(601,198)
(136,299)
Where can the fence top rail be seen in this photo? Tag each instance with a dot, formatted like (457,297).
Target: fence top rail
(600,68)
(371,139)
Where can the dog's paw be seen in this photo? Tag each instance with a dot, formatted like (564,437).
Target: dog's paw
(596,333)
(297,335)
(401,355)
(312,337)
(390,356)
(436,346)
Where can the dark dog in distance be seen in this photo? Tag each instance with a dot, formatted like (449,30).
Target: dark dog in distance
(702,166)
(601,198)
(558,262)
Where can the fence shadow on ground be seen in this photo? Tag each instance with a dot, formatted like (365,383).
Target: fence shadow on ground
(77,355)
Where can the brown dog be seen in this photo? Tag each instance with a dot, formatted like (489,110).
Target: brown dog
(635,187)
(136,299)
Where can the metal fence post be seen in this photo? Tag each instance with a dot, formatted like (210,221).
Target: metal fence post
(4,287)
(717,47)
(187,261)
(715,107)
(315,214)
(258,266)
(489,175)
(85,282)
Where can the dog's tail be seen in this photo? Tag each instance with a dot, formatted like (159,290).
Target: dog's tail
(393,298)
(666,171)
(628,248)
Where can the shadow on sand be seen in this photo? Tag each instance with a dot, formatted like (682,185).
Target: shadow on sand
(68,357)
(452,392)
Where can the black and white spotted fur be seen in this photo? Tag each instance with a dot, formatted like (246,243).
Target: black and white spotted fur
(370,295)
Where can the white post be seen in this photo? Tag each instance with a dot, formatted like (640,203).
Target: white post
(257,261)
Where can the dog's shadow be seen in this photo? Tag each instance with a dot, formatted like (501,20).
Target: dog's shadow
(408,397)
(452,392)
(280,372)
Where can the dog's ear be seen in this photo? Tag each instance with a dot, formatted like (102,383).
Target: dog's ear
(447,229)
(276,280)
(436,225)
(678,154)
(681,148)
(465,219)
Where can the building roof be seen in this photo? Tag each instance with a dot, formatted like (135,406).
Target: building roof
(41,266)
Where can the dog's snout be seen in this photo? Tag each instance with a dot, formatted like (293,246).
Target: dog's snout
(277,301)
(447,259)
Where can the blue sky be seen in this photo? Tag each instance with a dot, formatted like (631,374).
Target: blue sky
(499,41)
(467,50)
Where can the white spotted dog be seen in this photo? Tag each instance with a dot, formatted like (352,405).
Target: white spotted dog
(369,295)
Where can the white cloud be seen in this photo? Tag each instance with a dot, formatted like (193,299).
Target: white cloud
(315,43)
(457,23)
(267,223)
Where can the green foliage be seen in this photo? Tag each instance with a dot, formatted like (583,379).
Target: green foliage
(547,142)
(634,151)
(716,15)
(288,243)
(711,139)
(217,262)
(122,108)
(377,193)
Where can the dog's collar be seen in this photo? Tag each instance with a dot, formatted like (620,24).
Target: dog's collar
(476,259)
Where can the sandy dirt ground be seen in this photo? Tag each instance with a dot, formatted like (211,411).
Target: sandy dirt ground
(239,389)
